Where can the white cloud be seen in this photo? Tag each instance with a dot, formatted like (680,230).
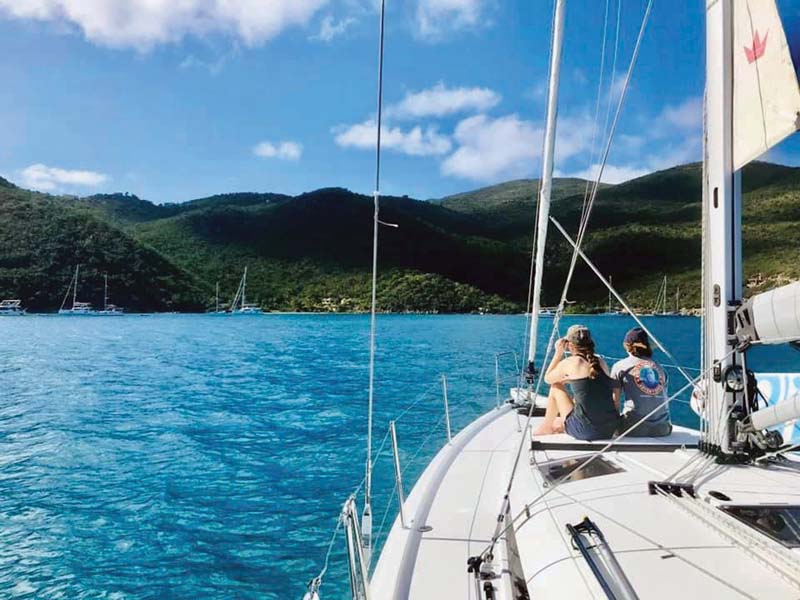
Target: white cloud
(493,148)
(281,150)
(490,149)
(144,23)
(414,142)
(214,67)
(437,17)
(611,173)
(688,115)
(615,88)
(329,28)
(538,91)
(440,101)
(46,179)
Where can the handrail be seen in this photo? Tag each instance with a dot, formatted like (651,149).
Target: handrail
(359,566)
(446,410)
(359,582)
(398,474)
(500,380)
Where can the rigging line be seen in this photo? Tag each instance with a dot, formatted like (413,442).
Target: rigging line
(593,197)
(524,434)
(568,547)
(619,298)
(529,311)
(317,581)
(656,545)
(592,458)
(375,224)
(593,145)
(667,365)
(386,512)
(693,459)
(762,549)
(613,69)
(780,452)
(419,399)
(424,443)
(618,113)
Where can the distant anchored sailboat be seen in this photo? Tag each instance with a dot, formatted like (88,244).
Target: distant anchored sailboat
(239,306)
(11,308)
(219,309)
(85,309)
(109,310)
(660,308)
(77,308)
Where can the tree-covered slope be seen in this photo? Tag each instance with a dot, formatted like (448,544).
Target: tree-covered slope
(42,238)
(313,252)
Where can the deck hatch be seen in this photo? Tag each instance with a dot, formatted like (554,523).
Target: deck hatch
(781,522)
(554,471)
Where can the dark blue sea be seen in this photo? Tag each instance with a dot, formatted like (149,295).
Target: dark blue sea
(208,457)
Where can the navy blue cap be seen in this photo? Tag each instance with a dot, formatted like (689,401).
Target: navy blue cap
(637,337)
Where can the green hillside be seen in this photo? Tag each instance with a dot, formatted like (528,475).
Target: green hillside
(462,253)
(42,238)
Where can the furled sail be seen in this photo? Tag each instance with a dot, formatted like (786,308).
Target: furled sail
(766,104)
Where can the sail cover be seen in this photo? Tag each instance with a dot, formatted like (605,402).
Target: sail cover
(766,99)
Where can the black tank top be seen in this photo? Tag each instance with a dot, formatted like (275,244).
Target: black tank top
(594,402)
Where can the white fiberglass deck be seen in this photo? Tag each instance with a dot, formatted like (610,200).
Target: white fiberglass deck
(664,549)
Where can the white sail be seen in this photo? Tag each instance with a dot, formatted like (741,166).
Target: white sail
(766,107)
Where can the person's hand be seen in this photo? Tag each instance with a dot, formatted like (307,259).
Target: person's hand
(561,345)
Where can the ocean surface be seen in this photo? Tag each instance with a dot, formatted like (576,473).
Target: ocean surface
(208,457)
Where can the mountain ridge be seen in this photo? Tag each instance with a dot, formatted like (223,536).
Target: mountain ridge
(462,253)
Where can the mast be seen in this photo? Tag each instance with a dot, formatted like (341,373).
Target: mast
(216,299)
(66,295)
(610,282)
(105,292)
(722,287)
(547,176)
(244,285)
(75,288)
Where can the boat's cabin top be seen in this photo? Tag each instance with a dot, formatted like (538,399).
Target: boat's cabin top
(10,304)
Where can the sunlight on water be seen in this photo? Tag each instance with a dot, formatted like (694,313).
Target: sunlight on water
(208,457)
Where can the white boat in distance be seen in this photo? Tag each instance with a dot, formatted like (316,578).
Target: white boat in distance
(11,308)
(85,309)
(503,514)
(109,310)
(218,308)
(239,306)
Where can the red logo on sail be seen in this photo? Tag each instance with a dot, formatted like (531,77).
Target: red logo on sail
(757,51)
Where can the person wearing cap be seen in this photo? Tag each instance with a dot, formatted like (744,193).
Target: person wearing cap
(588,412)
(644,384)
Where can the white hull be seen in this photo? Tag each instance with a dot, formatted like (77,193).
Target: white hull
(78,312)
(665,550)
(12,313)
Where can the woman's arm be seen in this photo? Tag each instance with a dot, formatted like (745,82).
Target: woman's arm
(617,397)
(554,373)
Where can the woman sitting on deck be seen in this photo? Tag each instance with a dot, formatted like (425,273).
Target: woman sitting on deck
(645,385)
(589,413)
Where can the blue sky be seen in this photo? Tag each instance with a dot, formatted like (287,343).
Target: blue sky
(177,100)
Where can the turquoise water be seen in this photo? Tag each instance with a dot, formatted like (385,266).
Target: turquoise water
(208,457)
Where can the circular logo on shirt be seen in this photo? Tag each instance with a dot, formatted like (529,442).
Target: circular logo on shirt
(649,378)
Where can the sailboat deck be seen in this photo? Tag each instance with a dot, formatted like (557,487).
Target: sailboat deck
(457,500)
